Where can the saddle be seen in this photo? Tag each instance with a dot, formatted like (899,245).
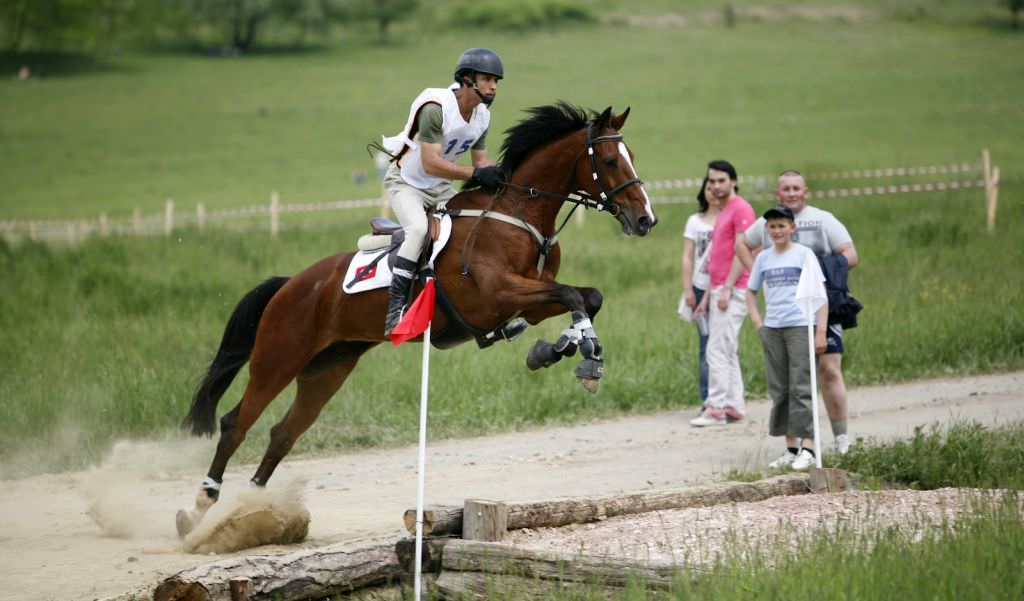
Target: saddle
(385,233)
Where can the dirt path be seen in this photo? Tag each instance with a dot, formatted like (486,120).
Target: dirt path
(50,548)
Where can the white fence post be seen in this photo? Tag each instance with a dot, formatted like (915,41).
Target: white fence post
(136,221)
(200,216)
(275,207)
(104,225)
(991,179)
(168,216)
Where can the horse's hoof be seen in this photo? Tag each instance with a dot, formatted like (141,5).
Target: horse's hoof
(541,355)
(185,522)
(589,384)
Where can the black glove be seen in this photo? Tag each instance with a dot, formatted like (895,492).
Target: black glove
(489,177)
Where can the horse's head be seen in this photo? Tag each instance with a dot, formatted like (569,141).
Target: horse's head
(608,174)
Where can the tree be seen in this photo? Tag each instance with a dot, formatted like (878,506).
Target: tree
(240,22)
(1015,7)
(384,12)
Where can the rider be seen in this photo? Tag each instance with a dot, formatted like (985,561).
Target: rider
(443,124)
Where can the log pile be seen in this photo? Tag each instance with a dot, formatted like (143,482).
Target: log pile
(464,568)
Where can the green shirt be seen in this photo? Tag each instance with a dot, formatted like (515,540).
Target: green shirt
(429,125)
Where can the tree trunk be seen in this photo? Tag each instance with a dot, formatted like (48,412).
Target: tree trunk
(441,521)
(301,575)
(496,558)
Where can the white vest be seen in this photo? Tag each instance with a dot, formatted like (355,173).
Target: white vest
(458,135)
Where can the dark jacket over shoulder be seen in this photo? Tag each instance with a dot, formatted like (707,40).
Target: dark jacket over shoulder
(842,307)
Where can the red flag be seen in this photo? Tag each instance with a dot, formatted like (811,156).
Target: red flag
(417,318)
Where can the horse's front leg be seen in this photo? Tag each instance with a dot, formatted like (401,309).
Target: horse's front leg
(584,303)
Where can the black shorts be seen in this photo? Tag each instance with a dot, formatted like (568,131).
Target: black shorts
(834,339)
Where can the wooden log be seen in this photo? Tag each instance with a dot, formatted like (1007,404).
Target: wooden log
(238,588)
(484,520)
(433,550)
(495,558)
(315,573)
(477,586)
(560,512)
(437,521)
(826,479)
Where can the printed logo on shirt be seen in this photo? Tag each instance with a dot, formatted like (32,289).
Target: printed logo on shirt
(782,276)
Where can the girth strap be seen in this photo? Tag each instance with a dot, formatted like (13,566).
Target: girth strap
(543,243)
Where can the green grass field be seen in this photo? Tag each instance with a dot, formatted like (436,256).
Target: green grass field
(107,339)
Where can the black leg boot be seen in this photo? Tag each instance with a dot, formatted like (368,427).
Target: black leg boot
(401,284)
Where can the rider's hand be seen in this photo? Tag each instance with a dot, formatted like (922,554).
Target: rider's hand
(489,177)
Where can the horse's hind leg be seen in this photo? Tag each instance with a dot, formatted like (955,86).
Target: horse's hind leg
(316,385)
(264,385)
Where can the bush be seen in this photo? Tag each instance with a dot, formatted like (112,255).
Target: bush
(524,14)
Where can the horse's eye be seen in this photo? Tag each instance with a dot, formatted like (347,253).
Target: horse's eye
(611,162)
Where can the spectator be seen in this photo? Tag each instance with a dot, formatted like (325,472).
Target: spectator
(783,333)
(696,280)
(829,239)
(726,309)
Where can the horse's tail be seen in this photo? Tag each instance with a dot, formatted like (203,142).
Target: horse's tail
(235,349)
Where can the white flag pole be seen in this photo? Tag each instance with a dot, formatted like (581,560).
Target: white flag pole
(814,383)
(424,385)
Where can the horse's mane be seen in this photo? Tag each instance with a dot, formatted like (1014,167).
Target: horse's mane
(545,124)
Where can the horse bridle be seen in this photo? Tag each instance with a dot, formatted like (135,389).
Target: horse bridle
(605,201)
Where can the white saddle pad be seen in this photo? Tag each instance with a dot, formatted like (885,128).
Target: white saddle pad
(379,275)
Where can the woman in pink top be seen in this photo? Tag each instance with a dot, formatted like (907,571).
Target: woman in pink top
(726,309)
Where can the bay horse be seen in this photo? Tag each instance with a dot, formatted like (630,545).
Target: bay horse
(500,263)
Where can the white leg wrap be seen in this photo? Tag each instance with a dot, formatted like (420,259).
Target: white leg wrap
(211,484)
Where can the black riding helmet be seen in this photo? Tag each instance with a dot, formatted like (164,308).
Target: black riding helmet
(479,60)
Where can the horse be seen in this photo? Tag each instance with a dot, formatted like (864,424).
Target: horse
(500,263)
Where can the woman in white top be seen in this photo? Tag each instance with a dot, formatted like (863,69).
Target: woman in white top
(696,280)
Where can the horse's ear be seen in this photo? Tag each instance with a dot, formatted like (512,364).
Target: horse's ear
(619,120)
(604,119)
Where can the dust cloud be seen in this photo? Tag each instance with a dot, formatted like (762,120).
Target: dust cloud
(121,494)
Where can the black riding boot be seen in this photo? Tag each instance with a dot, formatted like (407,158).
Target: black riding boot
(401,284)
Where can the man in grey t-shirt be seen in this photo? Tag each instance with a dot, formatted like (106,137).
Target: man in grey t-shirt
(825,235)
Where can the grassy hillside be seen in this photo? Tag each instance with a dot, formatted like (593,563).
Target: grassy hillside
(229,131)
(108,338)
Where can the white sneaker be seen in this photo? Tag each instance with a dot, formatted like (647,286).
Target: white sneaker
(783,461)
(708,417)
(803,460)
(842,444)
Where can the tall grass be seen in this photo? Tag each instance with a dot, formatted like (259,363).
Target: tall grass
(109,338)
(964,454)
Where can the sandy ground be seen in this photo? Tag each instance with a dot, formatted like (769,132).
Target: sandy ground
(52,546)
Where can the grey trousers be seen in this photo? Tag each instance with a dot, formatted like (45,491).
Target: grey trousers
(787,370)
(410,204)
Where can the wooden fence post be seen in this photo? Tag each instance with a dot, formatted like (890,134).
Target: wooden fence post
(275,224)
(484,520)
(200,216)
(104,225)
(168,216)
(991,178)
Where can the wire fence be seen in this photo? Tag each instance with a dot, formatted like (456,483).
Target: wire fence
(756,188)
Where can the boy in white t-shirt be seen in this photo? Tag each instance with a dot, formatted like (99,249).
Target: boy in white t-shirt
(783,333)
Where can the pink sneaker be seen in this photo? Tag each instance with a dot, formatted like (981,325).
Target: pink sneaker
(732,415)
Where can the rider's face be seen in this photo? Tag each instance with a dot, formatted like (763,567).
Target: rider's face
(487,84)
